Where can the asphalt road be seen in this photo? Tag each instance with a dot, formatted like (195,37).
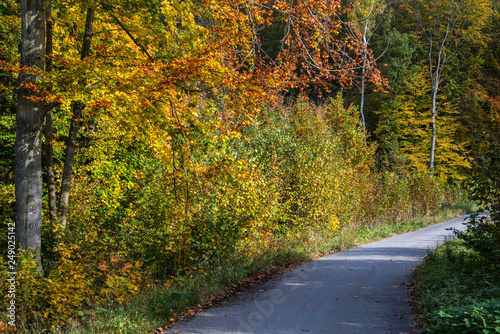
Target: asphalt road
(362,290)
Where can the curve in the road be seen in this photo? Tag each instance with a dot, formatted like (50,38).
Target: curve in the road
(362,290)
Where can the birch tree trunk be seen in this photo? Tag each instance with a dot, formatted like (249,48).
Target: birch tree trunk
(435,69)
(363,81)
(435,89)
(29,120)
(365,17)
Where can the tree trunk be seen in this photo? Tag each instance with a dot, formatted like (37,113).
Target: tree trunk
(433,122)
(435,75)
(49,137)
(49,167)
(363,80)
(74,127)
(69,161)
(29,120)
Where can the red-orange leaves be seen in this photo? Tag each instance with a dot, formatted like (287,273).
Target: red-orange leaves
(100,104)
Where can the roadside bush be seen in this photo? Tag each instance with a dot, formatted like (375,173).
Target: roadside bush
(483,235)
(483,231)
(71,286)
(424,192)
(316,155)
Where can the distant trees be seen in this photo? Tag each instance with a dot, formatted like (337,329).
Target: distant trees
(442,26)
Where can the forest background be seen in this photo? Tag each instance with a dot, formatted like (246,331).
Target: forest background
(160,142)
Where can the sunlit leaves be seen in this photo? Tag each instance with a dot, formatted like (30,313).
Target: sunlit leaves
(415,131)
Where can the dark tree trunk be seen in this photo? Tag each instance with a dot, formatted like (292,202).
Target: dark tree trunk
(69,161)
(49,137)
(74,127)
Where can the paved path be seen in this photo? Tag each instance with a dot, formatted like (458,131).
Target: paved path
(362,290)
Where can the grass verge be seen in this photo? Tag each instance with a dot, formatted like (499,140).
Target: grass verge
(457,291)
(182,297)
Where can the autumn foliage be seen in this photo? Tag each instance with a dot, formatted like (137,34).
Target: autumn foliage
(209,132)
(138,218)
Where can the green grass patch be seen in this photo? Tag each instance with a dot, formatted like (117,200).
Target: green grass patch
(457,292)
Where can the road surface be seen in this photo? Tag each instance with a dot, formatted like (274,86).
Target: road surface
(362,290)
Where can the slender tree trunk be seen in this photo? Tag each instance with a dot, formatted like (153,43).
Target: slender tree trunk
(435,74)
(49,165)
(69,161)
(29,120)
(433,122)
(74,127)
(49,137)
(363,83)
